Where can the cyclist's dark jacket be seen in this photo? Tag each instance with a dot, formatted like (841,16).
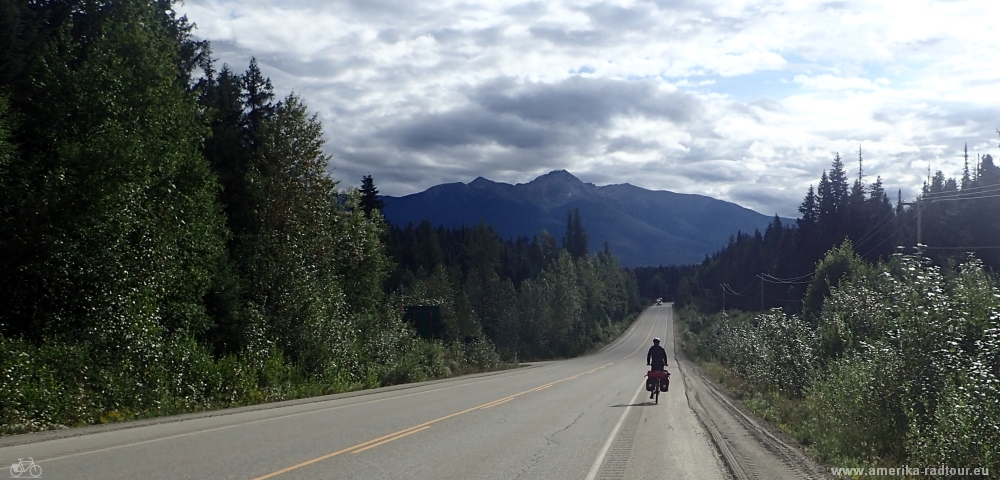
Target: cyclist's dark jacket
(657,357)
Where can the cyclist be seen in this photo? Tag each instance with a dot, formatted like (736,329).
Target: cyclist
(656,358)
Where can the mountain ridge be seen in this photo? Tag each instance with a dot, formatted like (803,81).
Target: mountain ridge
(643,227)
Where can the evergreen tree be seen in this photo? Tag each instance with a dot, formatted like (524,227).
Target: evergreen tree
(576,241)
(549,247)
(966,179)
(809,210)
(989,174)
(826,207)
(837,203)
(369,196)
(855,219)
(258,104)
(808,238)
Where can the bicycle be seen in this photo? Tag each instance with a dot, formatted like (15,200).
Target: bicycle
(657,381)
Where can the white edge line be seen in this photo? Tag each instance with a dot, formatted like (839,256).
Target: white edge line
(611,438)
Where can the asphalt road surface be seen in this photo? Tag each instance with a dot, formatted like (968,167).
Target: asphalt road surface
(584,418)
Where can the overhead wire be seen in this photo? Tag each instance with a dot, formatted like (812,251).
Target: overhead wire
(970,190)
(783,283)
(791,279)
(955,199)
(729,289)
(901,227)
(988,247)
(871,232)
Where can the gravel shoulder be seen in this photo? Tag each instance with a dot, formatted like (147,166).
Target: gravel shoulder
(750,447)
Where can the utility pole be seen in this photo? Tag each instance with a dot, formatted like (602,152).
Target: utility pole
(761,294)
(723,298)
(920,220)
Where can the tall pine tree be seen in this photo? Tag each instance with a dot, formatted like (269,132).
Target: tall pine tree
(369,196)
(576,241)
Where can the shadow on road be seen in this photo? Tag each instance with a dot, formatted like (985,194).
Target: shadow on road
(643,404)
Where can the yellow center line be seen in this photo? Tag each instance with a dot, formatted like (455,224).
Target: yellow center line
(397,437)
(643,344)
(495,404)
(414,429)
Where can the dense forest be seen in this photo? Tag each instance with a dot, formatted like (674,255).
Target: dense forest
(171,240)
(762,270)
(532,298)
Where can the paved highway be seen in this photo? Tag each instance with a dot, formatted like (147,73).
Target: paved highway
(583,418)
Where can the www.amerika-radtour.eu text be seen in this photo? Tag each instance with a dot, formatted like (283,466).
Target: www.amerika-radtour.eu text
(940,471)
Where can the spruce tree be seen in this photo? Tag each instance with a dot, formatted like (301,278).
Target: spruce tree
(576,241)
(966,178)
(370,200)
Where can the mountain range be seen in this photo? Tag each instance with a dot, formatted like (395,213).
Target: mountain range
(643,227)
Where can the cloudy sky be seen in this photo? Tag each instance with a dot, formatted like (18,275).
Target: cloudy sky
(746,101)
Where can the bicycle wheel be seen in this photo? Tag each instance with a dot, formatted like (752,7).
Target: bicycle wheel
(35,471)
(15,471)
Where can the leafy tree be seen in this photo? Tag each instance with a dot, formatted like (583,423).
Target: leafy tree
(111,191)
(110,223)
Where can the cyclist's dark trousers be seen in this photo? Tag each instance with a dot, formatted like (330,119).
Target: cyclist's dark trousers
(656,365)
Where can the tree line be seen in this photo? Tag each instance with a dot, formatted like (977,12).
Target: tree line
(531,298)
(171,240)
(762,270)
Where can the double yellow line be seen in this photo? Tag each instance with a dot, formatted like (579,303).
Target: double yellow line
(419,428)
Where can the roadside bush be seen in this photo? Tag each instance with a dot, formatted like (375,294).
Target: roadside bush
(855,407)
(901,364)
(771,350)
(33,394)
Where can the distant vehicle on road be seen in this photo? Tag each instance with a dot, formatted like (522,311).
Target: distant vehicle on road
(659,301)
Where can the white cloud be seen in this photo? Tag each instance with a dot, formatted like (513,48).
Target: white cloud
(830,82)
(745,100)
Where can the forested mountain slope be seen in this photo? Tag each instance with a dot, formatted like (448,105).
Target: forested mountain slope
(643,227)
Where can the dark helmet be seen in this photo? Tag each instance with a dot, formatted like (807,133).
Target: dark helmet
(656,341)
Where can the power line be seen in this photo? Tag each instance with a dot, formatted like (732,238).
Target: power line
(730,291)
(964,190)
(893,234)
(782,283)
(871,232)
(791,279)
(954,199)
(989,247)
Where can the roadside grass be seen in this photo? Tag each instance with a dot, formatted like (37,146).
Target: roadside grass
(788,414)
